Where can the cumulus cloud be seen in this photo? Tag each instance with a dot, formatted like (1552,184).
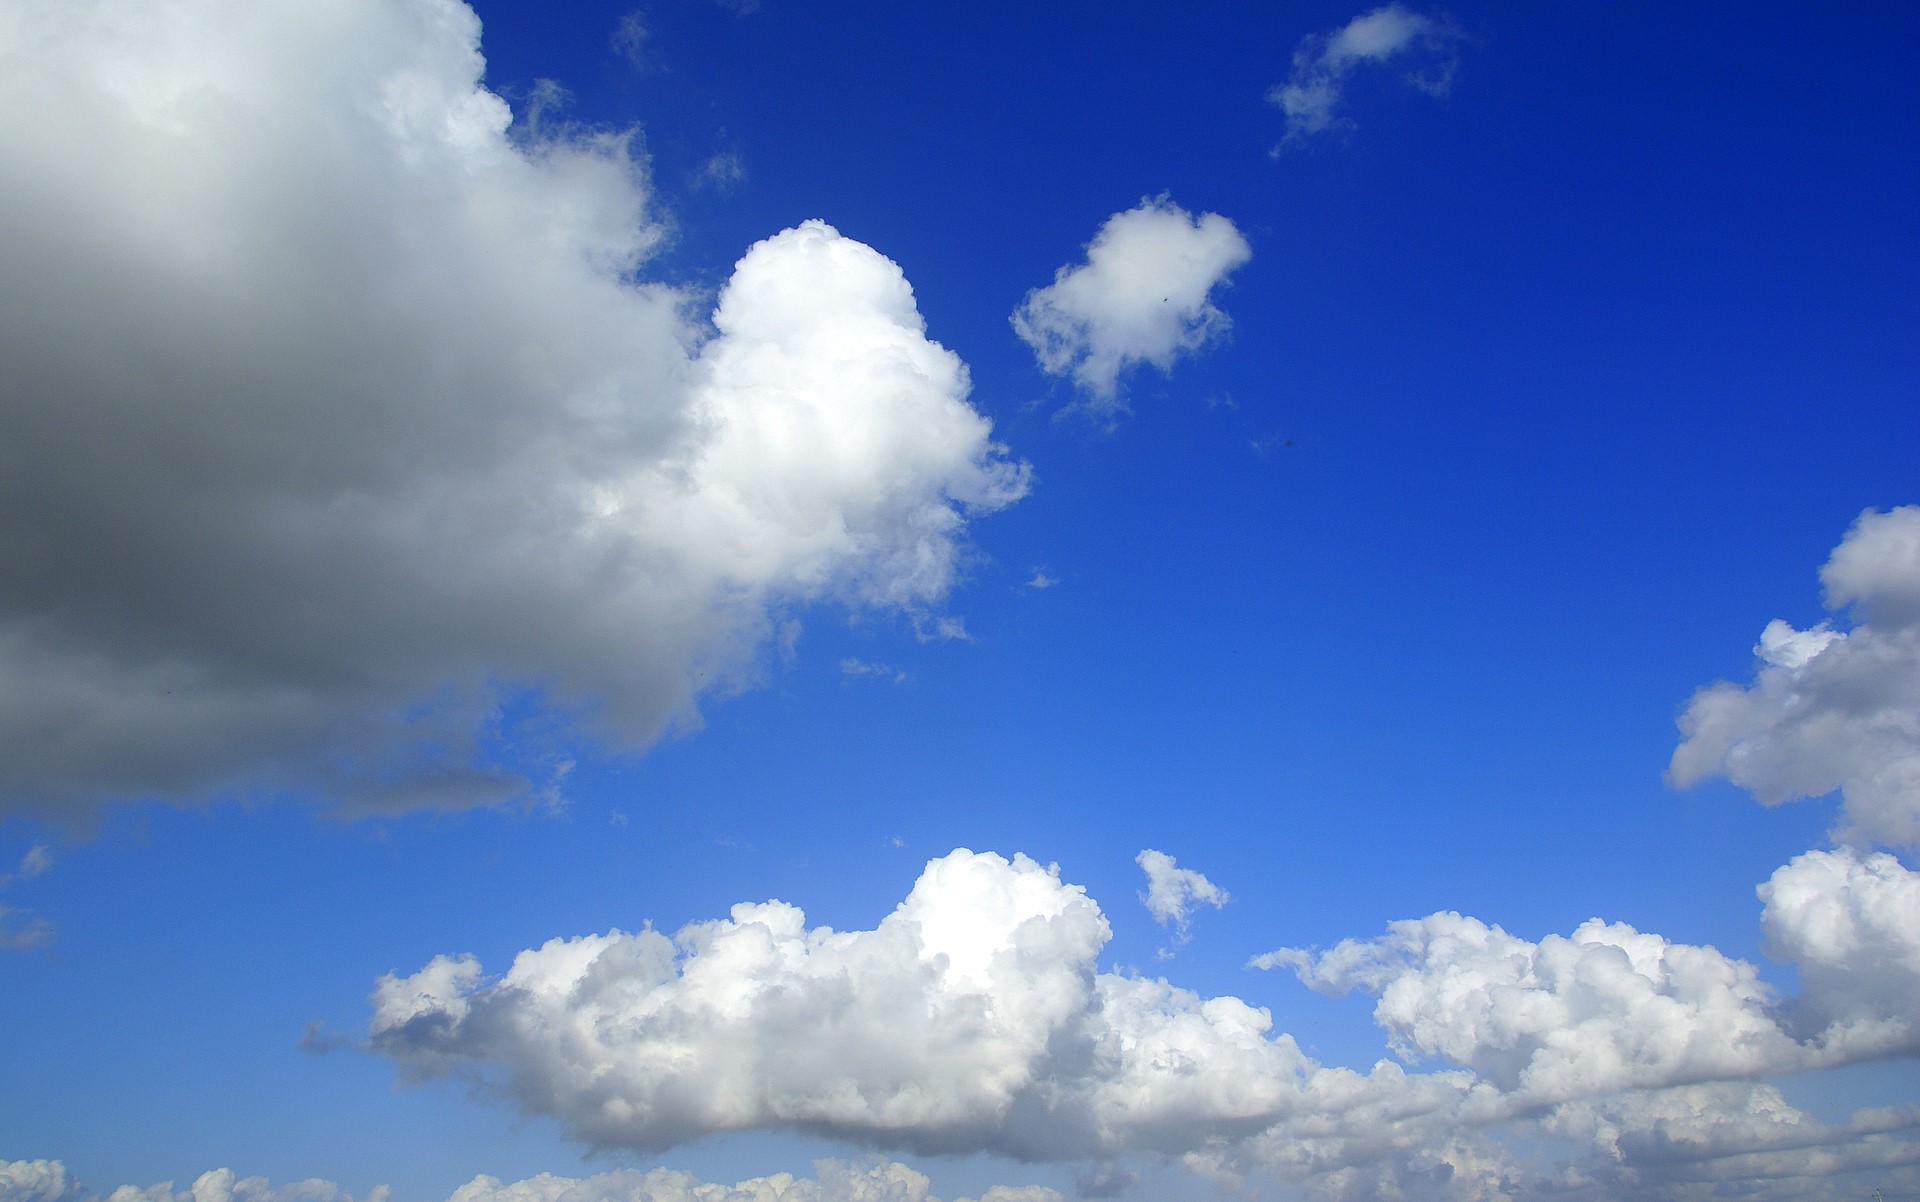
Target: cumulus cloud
(1606,1009)
(970,1018)
(1173,892)
(1312,95)
(1850,921)
(974,1018)
(49,1181)
(340,411)
(1834,706)
(1143,295)
(35,1181)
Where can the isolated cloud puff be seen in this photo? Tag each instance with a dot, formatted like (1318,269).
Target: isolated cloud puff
(1143,295)
(1312,95)
(1173,891)
(1832,707)
(833,1181)
(339,411)
(974,1019)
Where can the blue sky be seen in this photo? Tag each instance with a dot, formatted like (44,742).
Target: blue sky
(456,495)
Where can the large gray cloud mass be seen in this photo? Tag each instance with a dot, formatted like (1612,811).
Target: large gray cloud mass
(337,408)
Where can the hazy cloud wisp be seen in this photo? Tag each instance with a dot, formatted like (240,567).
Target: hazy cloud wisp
(1312,95)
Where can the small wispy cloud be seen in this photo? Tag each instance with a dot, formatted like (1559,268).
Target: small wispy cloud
(1040,579)
(1173,893)
(723,172)
(859,669)
(1312,95)
(21,930)
(630,40)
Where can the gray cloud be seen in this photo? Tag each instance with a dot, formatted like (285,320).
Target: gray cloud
(340,413)
(1831,707)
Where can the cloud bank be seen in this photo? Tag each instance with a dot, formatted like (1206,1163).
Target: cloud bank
(1312,95)
(1143,295)
(1831,707)
(974,1018)
(833,1181)
(340,412)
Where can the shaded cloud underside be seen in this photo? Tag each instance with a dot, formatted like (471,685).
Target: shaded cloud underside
(340,411)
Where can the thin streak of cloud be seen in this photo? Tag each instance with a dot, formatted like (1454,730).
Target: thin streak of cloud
(1313,95)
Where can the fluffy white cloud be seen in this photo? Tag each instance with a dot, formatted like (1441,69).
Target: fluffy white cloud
(1311,96)
(1605,1009)
(1144,295)
(1830,708)
(338,410)
(1850,921)
(974,1019)
(833,1181)
(1173,892)
(49,1181)
(971,1018)
(34,1181)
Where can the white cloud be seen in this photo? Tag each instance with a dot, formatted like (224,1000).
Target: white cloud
(631,38)
(1850,921)
(833,1181)
(1830,708)
(1312,94)
(974,1019)
(855,669)
(35,1181)
(339,411)
(1173,892)
(21,930)
(1605,1009)
(1144,295)
(970,1018)
(37,860)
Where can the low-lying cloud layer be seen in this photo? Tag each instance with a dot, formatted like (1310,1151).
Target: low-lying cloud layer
(1832,707)
(1144,295)
(833,1181)
(974,1018)
(339,410)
